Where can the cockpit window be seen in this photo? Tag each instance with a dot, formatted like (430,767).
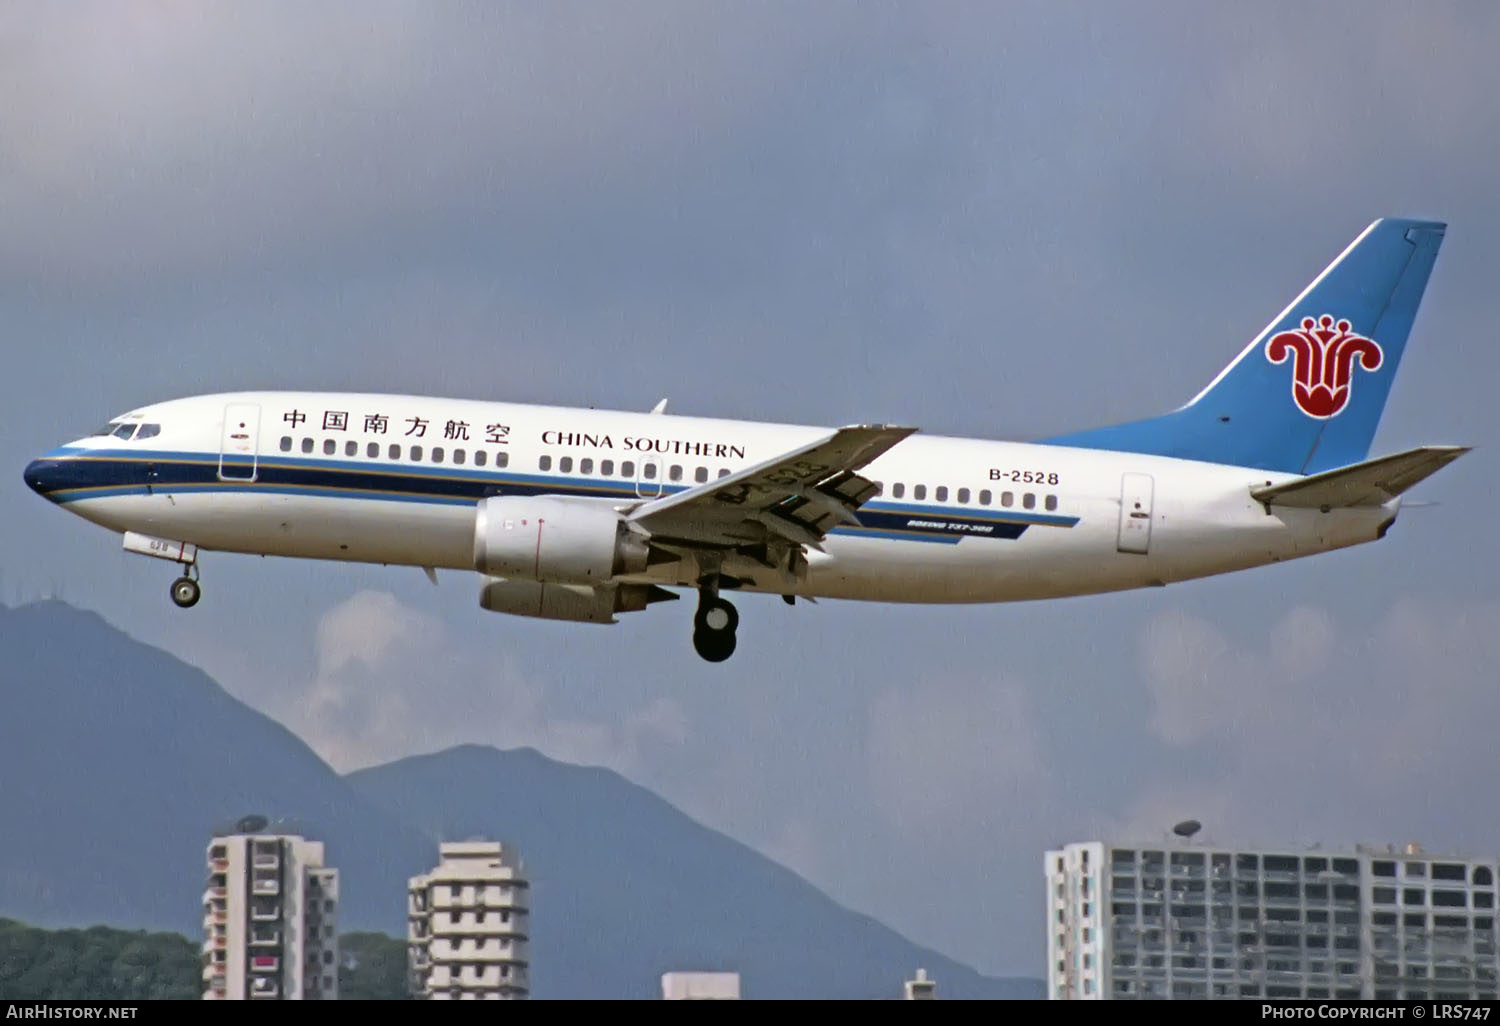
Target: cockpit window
(124,431)
(107,429)
(148,431)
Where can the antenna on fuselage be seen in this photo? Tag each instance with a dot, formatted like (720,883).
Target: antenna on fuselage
(660,407)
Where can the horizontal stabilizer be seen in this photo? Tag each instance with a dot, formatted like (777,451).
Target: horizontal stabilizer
(1372,483)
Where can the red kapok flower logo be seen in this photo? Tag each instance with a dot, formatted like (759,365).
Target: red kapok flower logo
(1323,353)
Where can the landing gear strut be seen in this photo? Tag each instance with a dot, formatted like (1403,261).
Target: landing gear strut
(714,624)
(185,590)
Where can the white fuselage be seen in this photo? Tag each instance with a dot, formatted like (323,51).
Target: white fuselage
(376,479)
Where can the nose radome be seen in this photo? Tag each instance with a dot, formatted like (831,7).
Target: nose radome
(41,475)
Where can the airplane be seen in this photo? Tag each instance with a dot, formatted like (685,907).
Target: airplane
(583,514)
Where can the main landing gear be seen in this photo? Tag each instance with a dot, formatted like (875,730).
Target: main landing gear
(714,624)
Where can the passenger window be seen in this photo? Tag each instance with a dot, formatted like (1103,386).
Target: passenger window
(676,472)
(124,431)
(648,471)
(416,453)
(545,463)
(394,452)
(1051,502)
(502,459)
(963,495)
(480,458)
(898,490)
(148,431)
(701,475)
(1007,499)
(565,464)
(329,447)
(585,466)
(627,468)
(351,448)
(607,468)
(941,494)
(919,492)
(985,497)
(459,456)
(372,451)
(437,454)
(1029,500)
(723,471)
(286,443)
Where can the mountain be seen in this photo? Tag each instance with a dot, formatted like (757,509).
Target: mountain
(117,760)
(625,887)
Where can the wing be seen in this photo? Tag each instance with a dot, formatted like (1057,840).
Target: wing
(797,497)
(1371,483)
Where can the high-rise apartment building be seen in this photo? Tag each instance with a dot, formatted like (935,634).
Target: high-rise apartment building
(269,917)
(700,986)
(1189,921)
(467,925)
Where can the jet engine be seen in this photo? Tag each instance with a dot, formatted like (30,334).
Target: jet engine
(577,602)
(554,541)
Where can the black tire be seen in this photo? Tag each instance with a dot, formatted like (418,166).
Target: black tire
(185,592)
(716,616)
(714,646)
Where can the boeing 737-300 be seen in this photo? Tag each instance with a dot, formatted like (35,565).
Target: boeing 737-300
(582,514)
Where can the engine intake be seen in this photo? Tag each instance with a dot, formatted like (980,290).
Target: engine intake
(554,541)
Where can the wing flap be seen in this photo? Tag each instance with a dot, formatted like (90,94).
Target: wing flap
(1371,483)
(798,496)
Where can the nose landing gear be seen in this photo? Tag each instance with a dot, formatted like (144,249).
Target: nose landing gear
(185,592)
(714,624)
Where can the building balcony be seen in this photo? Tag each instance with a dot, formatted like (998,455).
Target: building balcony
(265,913)
(265,939)
(265,964)
(219,865)
(264,987)
(210,893)
(265,860)
(271,887)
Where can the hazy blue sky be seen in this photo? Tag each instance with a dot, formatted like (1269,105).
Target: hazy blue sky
(992,219)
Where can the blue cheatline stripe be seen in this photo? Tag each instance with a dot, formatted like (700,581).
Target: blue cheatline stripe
(99,476)
(979,515)
(911,536)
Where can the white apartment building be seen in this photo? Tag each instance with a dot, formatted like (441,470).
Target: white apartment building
(1189,921)
(269,917)
(468,925)
(697,986)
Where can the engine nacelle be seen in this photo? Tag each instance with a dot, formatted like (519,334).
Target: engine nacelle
(556,541)
(576,602)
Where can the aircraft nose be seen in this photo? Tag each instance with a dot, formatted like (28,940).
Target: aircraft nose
(43,475)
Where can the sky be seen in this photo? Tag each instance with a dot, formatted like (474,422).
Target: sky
(992,219)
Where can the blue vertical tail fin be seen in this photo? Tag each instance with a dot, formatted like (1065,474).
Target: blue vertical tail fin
(1306,395)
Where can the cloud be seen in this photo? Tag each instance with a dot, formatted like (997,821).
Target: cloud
(160,137)
(953,754)
(1393,717)
(1268,101)
(392,681)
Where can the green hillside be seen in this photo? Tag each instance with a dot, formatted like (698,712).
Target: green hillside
(99,963)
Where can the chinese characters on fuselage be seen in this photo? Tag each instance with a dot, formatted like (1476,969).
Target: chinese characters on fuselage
(416,427)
